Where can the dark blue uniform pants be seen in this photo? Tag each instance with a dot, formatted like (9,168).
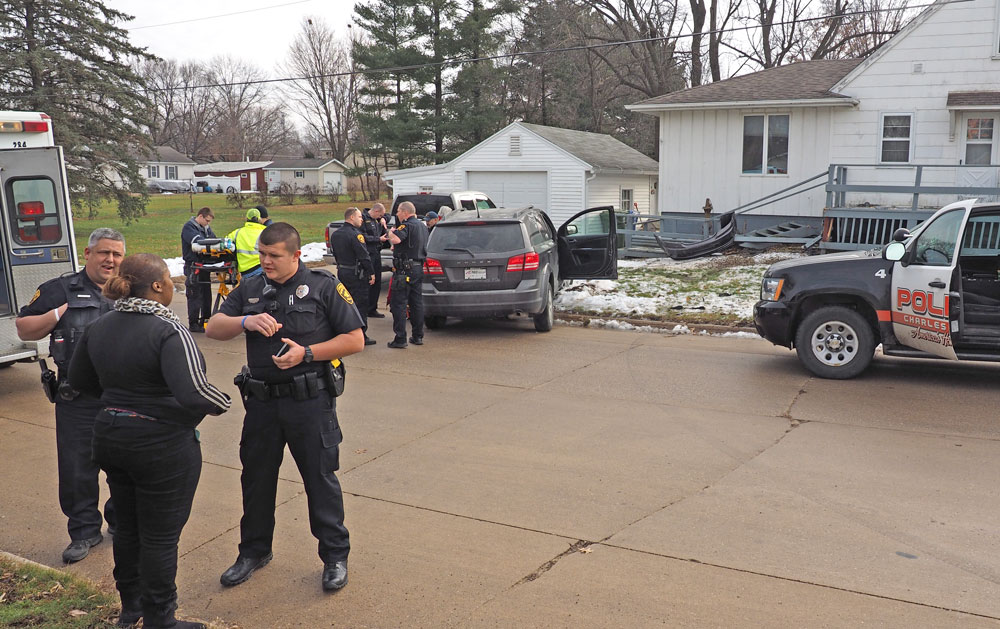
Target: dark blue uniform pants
(311,430)
(359,292)
(198,290)
(79,490)
(153,470)
(406,292)
(375,289)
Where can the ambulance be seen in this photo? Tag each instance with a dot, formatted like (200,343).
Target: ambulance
(36,228)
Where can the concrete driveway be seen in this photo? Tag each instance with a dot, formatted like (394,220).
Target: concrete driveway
(497,477)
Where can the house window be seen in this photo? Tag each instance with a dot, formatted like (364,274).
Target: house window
(626,200)
(171,172)
(895,142)
(244,176)
(515,146)
(153,171)
(979,141)
(300,174)
(765,144)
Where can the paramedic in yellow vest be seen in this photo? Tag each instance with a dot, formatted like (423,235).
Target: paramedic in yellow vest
(247,256)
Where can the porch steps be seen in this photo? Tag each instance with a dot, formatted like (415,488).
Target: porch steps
(785,233)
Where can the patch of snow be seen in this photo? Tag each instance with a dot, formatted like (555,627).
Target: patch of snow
(176,266)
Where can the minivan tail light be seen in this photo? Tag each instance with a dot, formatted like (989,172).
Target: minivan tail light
(516,263)
(433,267)
(531,261)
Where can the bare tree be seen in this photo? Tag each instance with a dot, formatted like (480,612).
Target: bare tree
(856,28)
(238,91)
(185,113)
(328,90)
(776,34)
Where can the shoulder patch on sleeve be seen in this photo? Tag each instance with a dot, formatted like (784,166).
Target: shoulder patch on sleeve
(401,228)
(361,239)
(344,293)
(37,294)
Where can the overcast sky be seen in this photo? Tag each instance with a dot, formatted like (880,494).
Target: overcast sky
(259,31)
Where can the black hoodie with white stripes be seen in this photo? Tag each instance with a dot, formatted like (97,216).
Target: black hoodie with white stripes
(147,364)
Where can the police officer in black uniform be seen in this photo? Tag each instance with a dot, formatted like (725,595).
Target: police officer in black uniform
(409,242)
(374,228)
(299,323)
(354,266)
(62,308)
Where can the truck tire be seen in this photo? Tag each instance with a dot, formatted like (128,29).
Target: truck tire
(434,322)
(835,342)
(545,318)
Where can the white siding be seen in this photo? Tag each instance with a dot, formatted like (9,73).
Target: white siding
(955,46)
(701,158)
(606,190)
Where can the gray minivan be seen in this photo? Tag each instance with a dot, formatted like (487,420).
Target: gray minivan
(497,262)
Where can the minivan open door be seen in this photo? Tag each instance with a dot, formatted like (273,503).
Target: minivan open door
(588,247)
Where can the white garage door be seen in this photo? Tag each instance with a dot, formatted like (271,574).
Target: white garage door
(512,188)
(332,182)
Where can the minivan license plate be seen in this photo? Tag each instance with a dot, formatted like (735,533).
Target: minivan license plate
(475,273)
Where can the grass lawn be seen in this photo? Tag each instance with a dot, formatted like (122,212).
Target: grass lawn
(32,596)
(159,231)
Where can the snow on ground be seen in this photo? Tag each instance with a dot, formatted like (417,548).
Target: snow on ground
(311,252)
(725,284)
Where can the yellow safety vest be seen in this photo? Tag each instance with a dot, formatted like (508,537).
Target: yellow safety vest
(245,238)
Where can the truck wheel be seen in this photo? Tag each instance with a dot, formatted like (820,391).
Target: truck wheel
(545,318)
(230,189)
(835,342)
(435,322)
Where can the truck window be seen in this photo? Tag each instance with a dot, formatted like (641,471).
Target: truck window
(34,215)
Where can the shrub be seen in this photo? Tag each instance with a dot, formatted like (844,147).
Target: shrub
(287,192)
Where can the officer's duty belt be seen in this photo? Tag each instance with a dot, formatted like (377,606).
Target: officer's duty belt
(286,389)
(304,386)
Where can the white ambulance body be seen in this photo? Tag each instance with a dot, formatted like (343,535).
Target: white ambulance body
(36,227)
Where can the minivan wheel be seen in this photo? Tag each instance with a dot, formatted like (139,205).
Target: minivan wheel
(545,318)
(835,342)
(434,322)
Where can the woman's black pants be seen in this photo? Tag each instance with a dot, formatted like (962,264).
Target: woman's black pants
(153,470)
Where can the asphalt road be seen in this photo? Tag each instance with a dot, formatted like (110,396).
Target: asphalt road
(593,478)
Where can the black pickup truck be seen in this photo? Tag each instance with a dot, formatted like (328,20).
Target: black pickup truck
(934,293)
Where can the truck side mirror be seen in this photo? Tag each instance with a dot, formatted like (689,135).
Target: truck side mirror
(894,251)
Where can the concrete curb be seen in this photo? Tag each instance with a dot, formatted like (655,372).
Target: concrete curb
(20,559)
(711,328)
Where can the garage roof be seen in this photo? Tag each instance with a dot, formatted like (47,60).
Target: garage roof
(603,152)
(306,163)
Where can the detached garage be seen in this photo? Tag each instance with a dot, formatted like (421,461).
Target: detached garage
(559,170)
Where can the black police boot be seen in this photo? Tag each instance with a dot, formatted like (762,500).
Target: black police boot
(397,343)
(417,340)
(80,548)
(334,575)
(369,340)
(131,611)
(375,314)
(243,568)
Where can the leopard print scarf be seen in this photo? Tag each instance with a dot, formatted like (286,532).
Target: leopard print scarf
(145,306)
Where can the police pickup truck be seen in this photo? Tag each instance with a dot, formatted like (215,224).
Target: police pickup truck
(934,293)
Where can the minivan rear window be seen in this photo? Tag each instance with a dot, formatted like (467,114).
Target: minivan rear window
(476,238)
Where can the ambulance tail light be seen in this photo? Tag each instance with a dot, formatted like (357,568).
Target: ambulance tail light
(433,267)
(30,208)
(36,126)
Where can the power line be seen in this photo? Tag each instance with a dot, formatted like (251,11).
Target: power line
(212,17)
(527,53)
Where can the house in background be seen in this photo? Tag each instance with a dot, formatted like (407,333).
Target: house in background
(559,170)
(931,95)
(232,176)
(324,174)
(166,163)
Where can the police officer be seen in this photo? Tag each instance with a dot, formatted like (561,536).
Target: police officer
(354,266)
(309,318)
(245,238)
(197,284)
(409,242)
(374,228)
(62,308)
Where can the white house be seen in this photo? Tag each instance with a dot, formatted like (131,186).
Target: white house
(166,163)
(929,96)
(559,170)
(324,174)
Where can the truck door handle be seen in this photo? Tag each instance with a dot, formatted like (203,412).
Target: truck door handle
(936,284)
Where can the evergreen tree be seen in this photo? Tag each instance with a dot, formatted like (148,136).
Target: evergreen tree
(435,18)
(477,109)
(389,56)
(71,60)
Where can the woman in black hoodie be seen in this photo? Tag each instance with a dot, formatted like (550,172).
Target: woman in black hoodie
(143,363)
